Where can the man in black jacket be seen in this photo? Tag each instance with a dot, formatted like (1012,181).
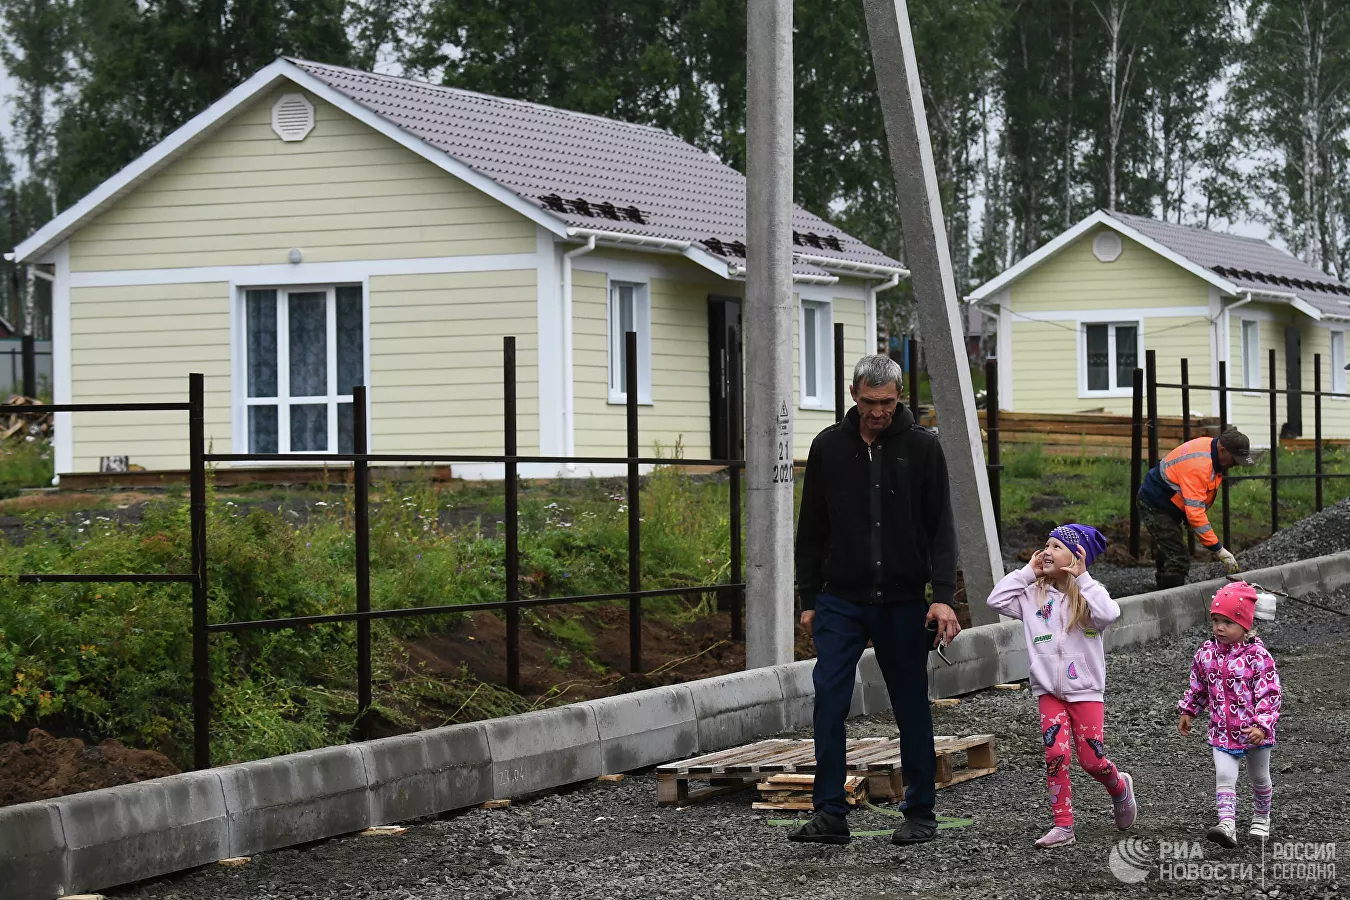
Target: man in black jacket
(875,530)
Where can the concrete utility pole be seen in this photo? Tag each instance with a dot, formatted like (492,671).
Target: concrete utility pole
(768,335)
(929,261)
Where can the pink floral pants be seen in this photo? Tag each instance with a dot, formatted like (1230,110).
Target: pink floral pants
(1060,720)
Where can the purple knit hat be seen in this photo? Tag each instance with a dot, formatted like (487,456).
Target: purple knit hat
(1085,536)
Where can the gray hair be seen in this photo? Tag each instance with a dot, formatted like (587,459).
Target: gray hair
(877,371)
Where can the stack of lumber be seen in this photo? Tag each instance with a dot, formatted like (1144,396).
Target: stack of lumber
(794,791)
(1086,433)
(16,426)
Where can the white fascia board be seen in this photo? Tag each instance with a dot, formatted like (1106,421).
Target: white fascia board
(1100,217)
(196,128)
(204,123)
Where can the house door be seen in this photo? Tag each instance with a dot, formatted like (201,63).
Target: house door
(726,428)
(1293,381)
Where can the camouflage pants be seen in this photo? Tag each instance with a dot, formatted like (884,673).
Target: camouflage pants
(1170,554)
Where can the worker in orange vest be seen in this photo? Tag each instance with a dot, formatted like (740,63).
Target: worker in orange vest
(1179,491)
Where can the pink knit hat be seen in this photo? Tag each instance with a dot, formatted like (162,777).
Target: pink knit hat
(1236,601)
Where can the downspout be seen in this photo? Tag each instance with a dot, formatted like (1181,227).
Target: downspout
(569,407)
(870,326)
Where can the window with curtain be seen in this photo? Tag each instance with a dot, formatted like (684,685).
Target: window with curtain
(817,352)
(629,311)
(305,351)
(1110,355)
(1338,362)
(1251,354)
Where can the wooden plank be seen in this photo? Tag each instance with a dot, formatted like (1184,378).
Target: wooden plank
(966,775)
(764,754)
(966,743)
(801,755)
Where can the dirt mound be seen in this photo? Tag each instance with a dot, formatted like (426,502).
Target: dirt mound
(1318,535)
(44,767)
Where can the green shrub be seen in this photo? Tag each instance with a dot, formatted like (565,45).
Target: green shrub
(1026,461)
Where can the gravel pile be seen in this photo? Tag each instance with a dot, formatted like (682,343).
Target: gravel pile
(611,841)
(1318,535)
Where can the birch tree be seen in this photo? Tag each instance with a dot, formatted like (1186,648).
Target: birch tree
(1292,95)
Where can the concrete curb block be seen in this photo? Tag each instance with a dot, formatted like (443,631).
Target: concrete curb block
(799,693)
(115,835)
(645,728)
(104,838)
(427,772)
(33,851)
(287,800)
(541,750)
(737,708)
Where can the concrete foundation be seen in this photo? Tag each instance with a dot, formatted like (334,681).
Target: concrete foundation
(100,839)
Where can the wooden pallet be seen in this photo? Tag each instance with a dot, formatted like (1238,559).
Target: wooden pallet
(876,759)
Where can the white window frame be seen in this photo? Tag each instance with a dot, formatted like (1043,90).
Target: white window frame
(1251,367)
(1112,323)
(1338,373)
(642,321)
(824,309)
(283,401)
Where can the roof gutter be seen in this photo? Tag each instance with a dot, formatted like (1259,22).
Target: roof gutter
(849,267)
(687,249)
(870,308)
(736,270)
(569,398)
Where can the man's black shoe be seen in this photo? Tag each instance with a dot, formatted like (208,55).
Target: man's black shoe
(823,828)
(914,831)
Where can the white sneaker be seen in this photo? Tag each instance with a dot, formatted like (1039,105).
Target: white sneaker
(1260,827)
(1059,836)
(1224,834)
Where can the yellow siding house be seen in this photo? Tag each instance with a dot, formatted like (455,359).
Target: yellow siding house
(319,228)
(1077,316)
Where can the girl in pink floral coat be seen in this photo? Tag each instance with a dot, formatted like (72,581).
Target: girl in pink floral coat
(1234,676)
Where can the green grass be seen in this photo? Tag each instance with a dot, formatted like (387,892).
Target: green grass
(114,660)
(1097,491)
(24,464)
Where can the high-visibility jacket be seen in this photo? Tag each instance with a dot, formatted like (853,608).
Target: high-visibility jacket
(1189,479)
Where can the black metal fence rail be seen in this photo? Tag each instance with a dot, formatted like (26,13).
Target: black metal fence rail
(1145,389)
(360,460)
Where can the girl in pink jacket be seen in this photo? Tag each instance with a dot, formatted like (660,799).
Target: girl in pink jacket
(1063,613)
(1234,675)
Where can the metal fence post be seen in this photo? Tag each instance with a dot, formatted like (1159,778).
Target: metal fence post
(1223,423)
(1186,428)
(361,500)
(634,508)
(201,660)
(736,450)
(914,378)
(512,485)
(838,371)
(1136,455)
(991,429)
(1317,429)
(29,346)
(1151,361)
(1274,450)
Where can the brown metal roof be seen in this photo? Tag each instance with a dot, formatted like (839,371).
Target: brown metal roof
(587,171)
(1249,263)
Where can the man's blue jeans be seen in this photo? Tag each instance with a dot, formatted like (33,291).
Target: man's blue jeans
(841,631)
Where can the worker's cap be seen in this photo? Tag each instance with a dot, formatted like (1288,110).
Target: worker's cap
(1236,443)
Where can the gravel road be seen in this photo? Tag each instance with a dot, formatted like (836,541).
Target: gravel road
(606,840)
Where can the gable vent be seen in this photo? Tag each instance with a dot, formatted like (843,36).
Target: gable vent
(1106,246)
(293,117)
